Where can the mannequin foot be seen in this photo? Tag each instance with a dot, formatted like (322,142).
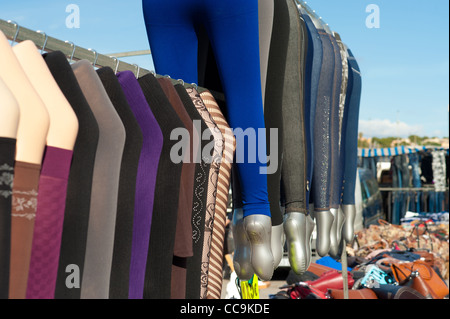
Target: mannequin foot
(348,231)
(258,229)
(340,224)
(336,232)
(324,221)
(242,249)
(310,225)
(295,227)
(277,244)
(334,244)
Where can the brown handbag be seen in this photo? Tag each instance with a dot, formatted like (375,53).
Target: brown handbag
(420,276)
(364,293)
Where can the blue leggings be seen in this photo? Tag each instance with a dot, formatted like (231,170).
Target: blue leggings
(313,69)
(232,28)
(352,108)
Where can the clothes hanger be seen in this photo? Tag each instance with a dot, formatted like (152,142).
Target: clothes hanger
(14,40)
(45,40)
(137,70)
(73,50)
(95,57)
(117,64)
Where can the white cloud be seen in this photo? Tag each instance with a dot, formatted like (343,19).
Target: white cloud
(386,128)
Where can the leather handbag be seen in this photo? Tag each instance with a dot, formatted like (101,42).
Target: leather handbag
(420,276)
(364,293)
(426,256)
(319,270)
(331,280)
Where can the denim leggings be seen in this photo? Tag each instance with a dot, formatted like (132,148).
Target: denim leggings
(313,70)
(352,108)
(336,162)
(322,128)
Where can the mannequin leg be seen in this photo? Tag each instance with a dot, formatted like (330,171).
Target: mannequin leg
(273,116)
(351,148)
(234,37)
(336,169)
(233,30)
(266,13)
(336,232)
(322,150)
(295,229)
(172,38)
(242,252)
(295,140)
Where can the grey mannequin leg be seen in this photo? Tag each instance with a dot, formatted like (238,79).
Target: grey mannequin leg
(295,227)
(277,244)
(324,222)
(310,225)
(258,229)
(348,232)
(336,232)
(242,248)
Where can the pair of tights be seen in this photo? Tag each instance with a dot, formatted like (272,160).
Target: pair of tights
(232,28)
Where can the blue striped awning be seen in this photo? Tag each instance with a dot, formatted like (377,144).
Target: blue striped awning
(393,151)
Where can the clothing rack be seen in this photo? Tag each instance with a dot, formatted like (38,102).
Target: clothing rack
(17,33)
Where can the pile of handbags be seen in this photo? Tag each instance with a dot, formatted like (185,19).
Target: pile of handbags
(386,262)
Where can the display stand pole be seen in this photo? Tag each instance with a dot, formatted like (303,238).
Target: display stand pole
(344,268)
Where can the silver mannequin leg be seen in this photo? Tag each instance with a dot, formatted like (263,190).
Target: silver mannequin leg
(310,225)
(242,249)
(336,232)
(277,244)
(295,227)
(348,231)
(324,222)
(259,233)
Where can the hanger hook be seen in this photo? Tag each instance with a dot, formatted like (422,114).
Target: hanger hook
(45,40)
(138,70)
(73,50)
(14,40)
(181,81)
(95,58)
(117,64)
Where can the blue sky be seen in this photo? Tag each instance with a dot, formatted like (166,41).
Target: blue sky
(405,62)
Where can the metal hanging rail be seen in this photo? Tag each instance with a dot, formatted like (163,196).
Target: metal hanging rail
(131,53)
(17,33)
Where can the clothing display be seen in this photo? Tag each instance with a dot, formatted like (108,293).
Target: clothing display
(79,187)
(122,185)
(183,235)
(223,185)
(165,212)
(145,180)
(101,227)
(127,185)
(54,173)
(193,266)
(215,160)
